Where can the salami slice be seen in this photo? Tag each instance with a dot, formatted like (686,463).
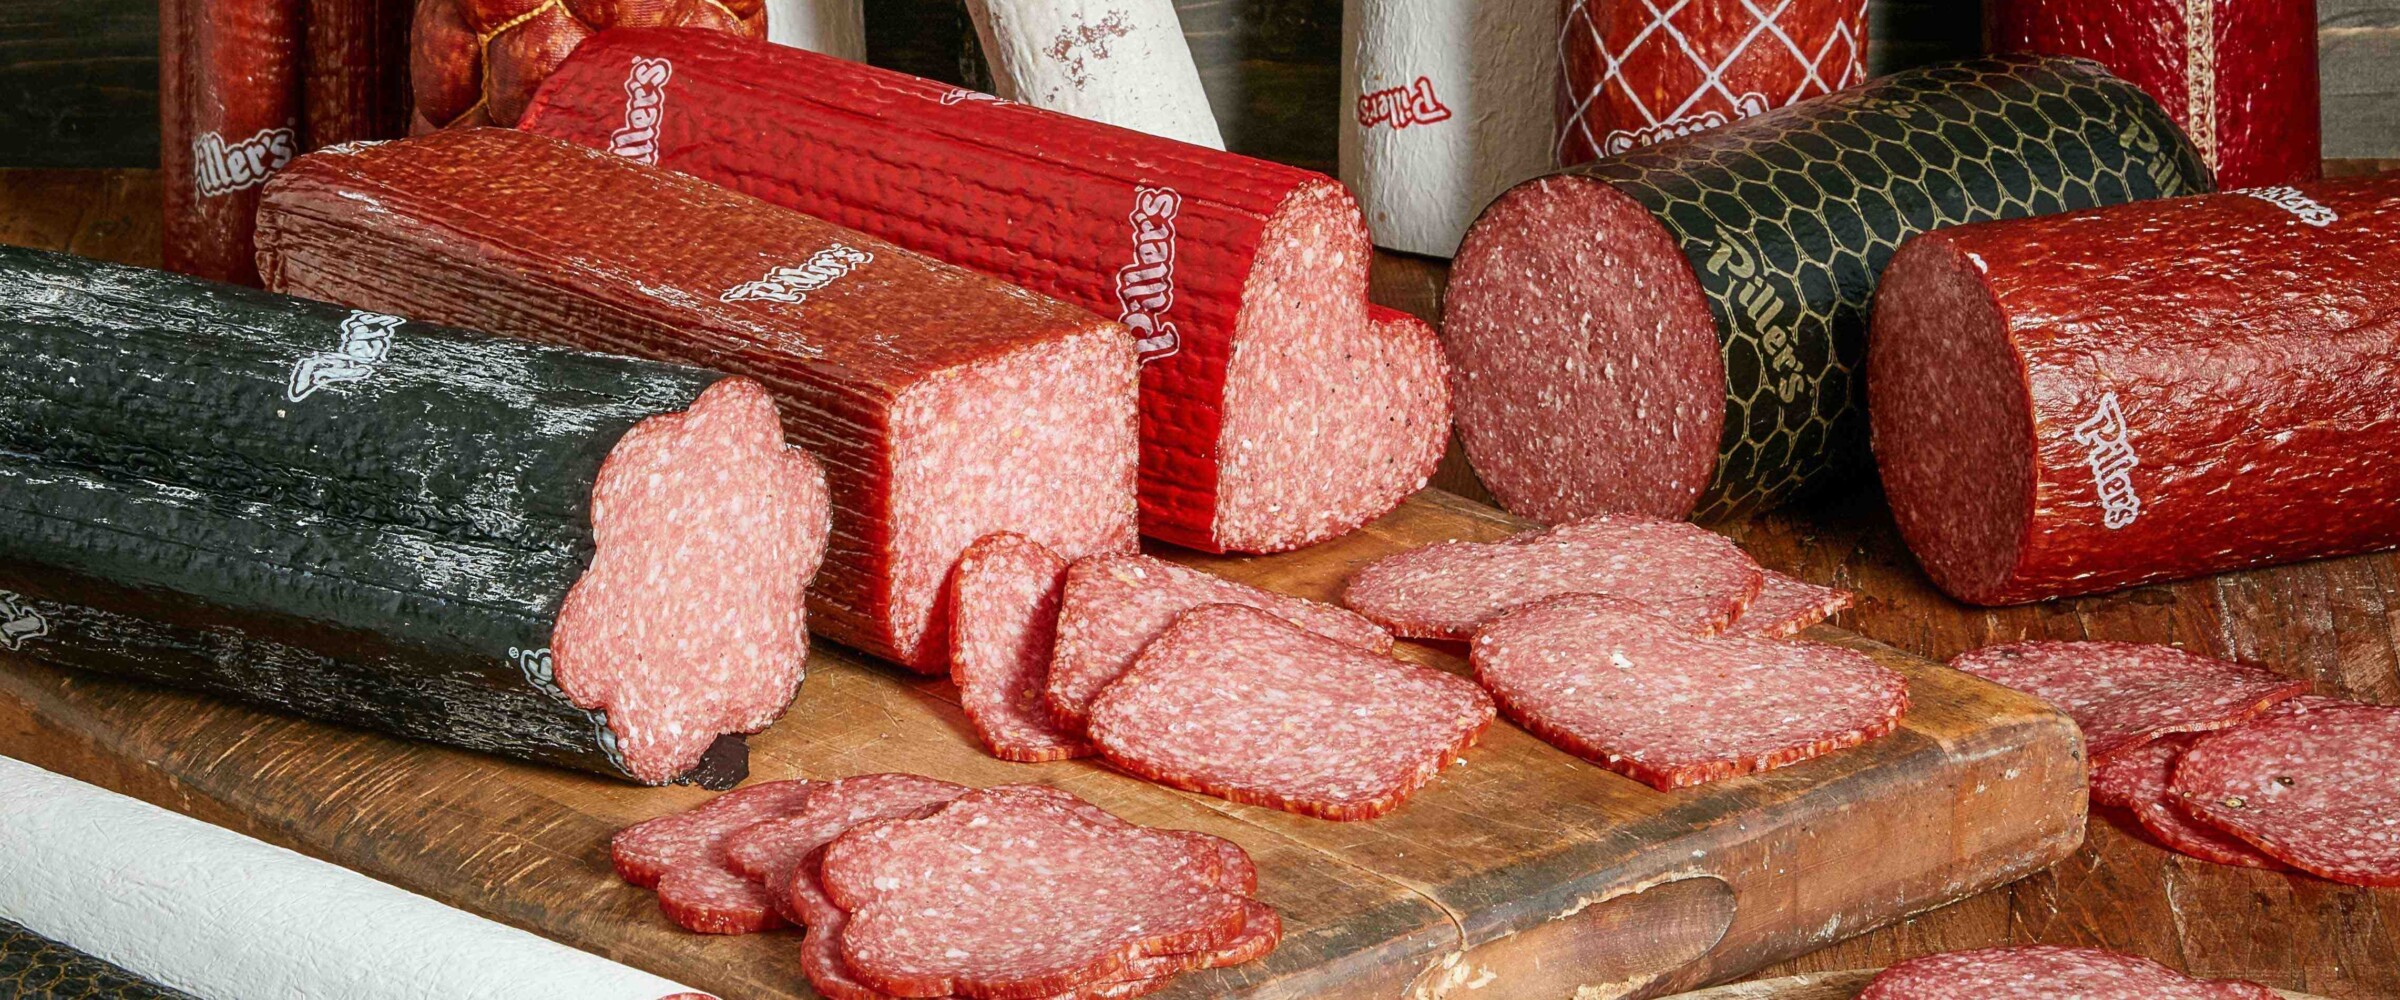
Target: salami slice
(1786,606)
(682,855)
(2048,972)
(1236,702)
(1632,691)
(2136,780)
(1114,605)
(2314,789)
(1003,625)
(769,850)
(2124,694)
(1446,591)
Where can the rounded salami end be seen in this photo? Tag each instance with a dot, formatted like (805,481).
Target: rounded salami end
(1588,377)
(2048,972)
(2313,789)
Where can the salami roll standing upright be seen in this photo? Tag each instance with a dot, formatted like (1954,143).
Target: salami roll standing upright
(1637,74)
(229,115)
(1275,411)
(356,85)
(2101,399)
(946,405)
(837,28)
(2240,76)
(1123,62)
(476,62)
(1444,109)
(1680,330)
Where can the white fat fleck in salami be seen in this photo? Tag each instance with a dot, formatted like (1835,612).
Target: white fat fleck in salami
(2047,972)
(835,27)
(1113,606)
(1699,579)
(1635,692)
(1003,625)
(682,855)
(1124,62)
(2124,694)
(1236,702)
(2136,780)
(769,850)
(690,622)
(1786,606)
(2317,789)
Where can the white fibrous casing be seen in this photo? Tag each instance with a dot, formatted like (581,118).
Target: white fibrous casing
(1124,62)
(1445,104)
(836,28)
(225,917)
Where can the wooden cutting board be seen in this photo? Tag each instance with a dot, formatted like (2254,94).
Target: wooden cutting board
(1522,873)
(1830,986)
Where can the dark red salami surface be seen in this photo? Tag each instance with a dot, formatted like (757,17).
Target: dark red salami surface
(1236,702)
(2095,400)
(229,116)
(1632,691)
(1004,600)
(2136,780)
(2047,972)
(1786,606)
(1643,73)
(2316,789)
(2124,694)
(769,849)
(682,855)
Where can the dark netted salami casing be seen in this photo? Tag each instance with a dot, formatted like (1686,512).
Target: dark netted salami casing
(1680,329)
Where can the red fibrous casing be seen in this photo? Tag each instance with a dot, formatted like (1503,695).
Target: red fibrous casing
(229,115)
(1637,74)
(476,62)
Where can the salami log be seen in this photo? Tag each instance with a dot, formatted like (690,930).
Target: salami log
(2142,393)
(584,560)
(946,405)
(356,85)
(476,62)
(1681,329)
(2314,789)
(1123,62)
(2125,694)
(2048,972)
(33,967)
(229,115)
(1637,74)
(2240,76)
(1274,414)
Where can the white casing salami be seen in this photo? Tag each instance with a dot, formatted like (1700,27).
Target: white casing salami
(1446,105)
(835,27)
(214,913)
(1123,62)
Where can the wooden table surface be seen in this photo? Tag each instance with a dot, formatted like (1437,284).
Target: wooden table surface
(2336,622)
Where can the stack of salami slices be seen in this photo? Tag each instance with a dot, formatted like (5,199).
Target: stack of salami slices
(2223,762)
(2044,972)
(913,887)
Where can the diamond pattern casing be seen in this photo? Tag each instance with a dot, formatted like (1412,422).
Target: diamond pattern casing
(1788,217)
(33,967)
(1643,71)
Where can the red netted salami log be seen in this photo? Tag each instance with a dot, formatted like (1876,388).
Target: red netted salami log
(2124,694)
(1112,606)
(945,405)
(356,85)
(477,62)
(2137,779)
(1004,600)
(769,850)
(2048,972)
(2240,76)
(1638,74)
(1239,703)
(1446,591)
(229,115)
(1785,607)
(2101,399)
(2315,789)
(1619,685)
(682,855)
(1274,412)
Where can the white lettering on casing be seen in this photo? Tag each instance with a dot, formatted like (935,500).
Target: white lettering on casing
(645,108)
(366,342)
(1146,287)
(19,624)
(792,284)
(221,168)
(1622,141)
(2108,450)
(2307,209)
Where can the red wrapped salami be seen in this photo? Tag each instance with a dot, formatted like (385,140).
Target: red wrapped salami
(476,62)
(2239,75)
(2105,398)
(229,115)
(1639,73)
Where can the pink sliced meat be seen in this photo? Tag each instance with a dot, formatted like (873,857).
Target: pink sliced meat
(2136,780)
(1238,703)
(1113,605)
(2124,694)
(767,852)
(2317,789)
(1635,692)
(1003,625)
(1699,579)
(2046,972)
(1786,606)
(682,855)
(942,904)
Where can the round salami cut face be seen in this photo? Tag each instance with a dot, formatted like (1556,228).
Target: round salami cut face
(2124,694)
(682,855)
(1786,606)
(1114,605)
(1632,691)
(767,852)
(2045,972)
(1698,579)
(2136,781)
(2314,789)
(1003,626)
(1236,702)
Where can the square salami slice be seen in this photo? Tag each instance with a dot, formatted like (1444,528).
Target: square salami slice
(2136,780)
(682,855)
(2047,972)
(1633,691)
(1003,626)
(1235,702)
(768,851)
(2124,694)
(1698,578)
(2314,789)
(1786,606)
(1113,606)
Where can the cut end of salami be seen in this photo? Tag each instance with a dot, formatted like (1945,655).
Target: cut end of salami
(1785,607)
(2124,694)
(1003,625)
(689,624)
(1235,702)
(2048,972)
(2314,789)
(1588,377)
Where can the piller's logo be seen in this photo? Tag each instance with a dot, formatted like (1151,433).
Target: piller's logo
(366,342)
(1623,141)
(19,624)
(645,107)
(220,167)
(960,95)
(2303,207)
(2108,450)
(792,284)
(1402,106)
(1759,302)
(1146,287)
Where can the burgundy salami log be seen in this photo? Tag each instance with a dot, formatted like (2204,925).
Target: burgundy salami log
(2316,789)
(683,856)
(356,85)
(1004,600)
(945,405)
(2240,76)
(2137,780)
(477,62)
(2048,972)
(1785,607)
(2124,694)
(1274,412)
(229,115)
(1680,330)
(1633,691)
(1642,73)
(769,851)
(1239,703)
(2107,398)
